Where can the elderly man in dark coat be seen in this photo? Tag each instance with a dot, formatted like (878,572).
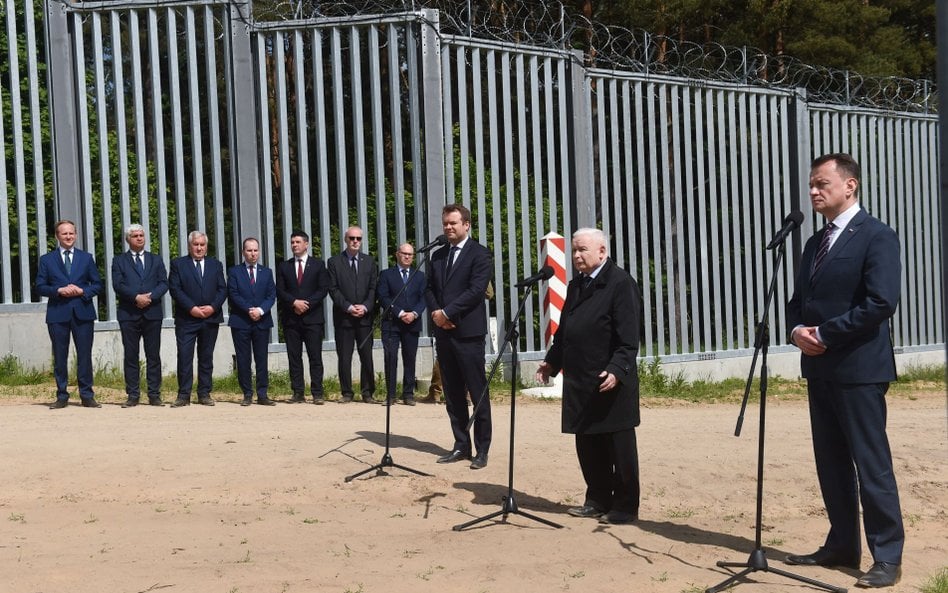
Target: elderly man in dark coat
(595,347)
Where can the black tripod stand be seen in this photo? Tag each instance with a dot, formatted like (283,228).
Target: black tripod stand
(509,505)
(387,460)
(757,562)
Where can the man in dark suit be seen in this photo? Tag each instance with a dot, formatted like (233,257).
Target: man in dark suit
(140,281)
(353,277)
(198,290)
(252,294)
(595,347)
(457,283)
(402,301)
(847,288)
(302,285)
(68,277)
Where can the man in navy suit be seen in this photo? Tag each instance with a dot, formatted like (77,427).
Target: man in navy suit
(353,276)
(302,285)
(457,282)
(198,290)
(402,301)
(252,295)
(846,290)
(140,281)
(68,277)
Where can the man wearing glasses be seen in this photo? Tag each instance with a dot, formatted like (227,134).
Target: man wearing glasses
(402,301)
(353,276)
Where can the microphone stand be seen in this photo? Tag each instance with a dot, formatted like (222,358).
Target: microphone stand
(757,562)
(509,505)
(387,460)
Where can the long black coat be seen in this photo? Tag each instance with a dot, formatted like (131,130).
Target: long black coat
(599,331)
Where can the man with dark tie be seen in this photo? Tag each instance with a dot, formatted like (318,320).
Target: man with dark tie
(252,294)
(595,346)
(302,285)
(140,281)
(68,277)
(402,301)
(457,282)
(198,290)
(846,290)
(353,276)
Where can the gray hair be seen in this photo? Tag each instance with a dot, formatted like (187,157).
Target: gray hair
(599,235)
(133,228)
(195,235)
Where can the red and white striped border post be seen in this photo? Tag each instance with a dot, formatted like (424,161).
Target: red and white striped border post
(553,254)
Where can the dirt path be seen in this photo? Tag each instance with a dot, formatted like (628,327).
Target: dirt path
(246,500)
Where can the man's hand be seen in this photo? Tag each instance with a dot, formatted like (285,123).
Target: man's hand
(807,341)
(70,290)
(441,320)
(608,382)
(300,306)
(408,317)
(358,310)
(255,313)
(543,372)
(143,301)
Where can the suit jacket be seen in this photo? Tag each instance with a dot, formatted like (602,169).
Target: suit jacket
(243,296)
(128,284)
(190,290)
(599,331)
(462,295)
(850,299)
(313,289)
(412,299)
(52,276)
(347,289)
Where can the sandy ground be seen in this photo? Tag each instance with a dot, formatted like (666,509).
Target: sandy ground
(245,500)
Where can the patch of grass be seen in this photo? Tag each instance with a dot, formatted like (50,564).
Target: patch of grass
(12,372)
(17,517)
(311,520)
(932,373)
(359,589)
(92,519)
(937,583)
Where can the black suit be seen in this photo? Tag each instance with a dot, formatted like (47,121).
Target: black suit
(140,325)
(850,299)
(461,295)
(306,328)
(399,293)
(353,288)
(599,331)
(188,290)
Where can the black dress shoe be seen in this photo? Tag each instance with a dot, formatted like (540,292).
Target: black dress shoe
(90,403)
(266,402)
(318,400)
(823,557)
(585,512)
(408,401)
(345,399)
(882,574)
(480,461)
(298,398)
(130,403)
(367,399)
(246,401)
(454,456)
(59,404)
(206,401)
(179,403)
(615,517)
(155,401)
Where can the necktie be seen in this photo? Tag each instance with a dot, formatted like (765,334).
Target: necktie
(404,276)
(299,272)
(354,265)
(139,265)
(252,279)
(587,280)
(68,261)
(824,246)
(199,270)
(450,262)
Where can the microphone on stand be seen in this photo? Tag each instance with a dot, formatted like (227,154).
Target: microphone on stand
(545,273)
(790,224)
(439,241)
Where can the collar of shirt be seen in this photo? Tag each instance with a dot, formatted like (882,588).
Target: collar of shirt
(595,272)
(461,244)
(843,220)
(62,251)
(301,259)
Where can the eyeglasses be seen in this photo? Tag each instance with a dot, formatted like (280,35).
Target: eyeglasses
(354,238)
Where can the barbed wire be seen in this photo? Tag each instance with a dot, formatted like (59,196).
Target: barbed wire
(549,24)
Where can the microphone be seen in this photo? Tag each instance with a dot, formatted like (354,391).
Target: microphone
(790,224)
(545,273)
(442,240)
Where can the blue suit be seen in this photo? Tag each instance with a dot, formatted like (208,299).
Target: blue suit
(461,294)
(251,336)
(189,290)
(140,325)
(67,316)
(850,299)
(393,300)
